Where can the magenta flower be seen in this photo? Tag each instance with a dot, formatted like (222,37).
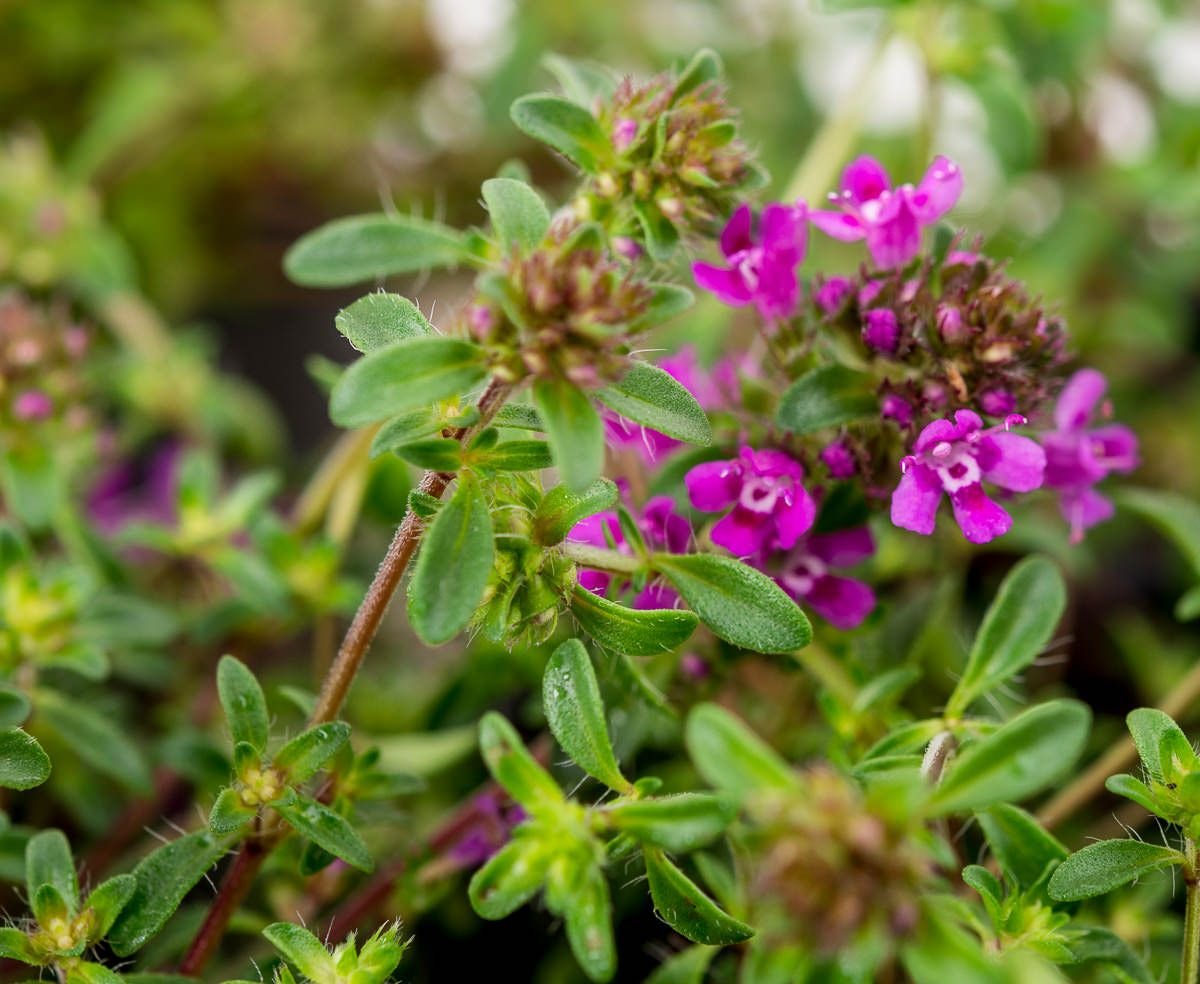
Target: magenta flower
(760,270)
(663,528)
(881,330)
(805,575)
(1077,457)
(686,370)
(955,457)
(889,219)
(33,405)
(771,509)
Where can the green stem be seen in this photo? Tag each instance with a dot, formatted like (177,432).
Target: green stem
(1189,969)
(828,671)
(601,559)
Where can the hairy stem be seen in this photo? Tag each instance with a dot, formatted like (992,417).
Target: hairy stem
(1118,758)
(1189,967)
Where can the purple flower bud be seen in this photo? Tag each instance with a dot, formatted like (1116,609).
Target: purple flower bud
(693,667)
(32,405)
(934,394)
(481,319)
(881,330)
(997,402)
(624,132)
(950,324)
(838,459)
(830,295)
(869,291)
(627,247)
(894,407)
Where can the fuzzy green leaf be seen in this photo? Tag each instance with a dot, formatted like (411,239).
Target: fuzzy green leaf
(301,757)
(1018,624)
(23,763)
(95,738)
(14,709)
(560,509)
(515,456)
(163,879)
(587,909)
(677,823)
(666,302)
(511,765)
(634,632)
(518,214)
(453,566)
(705,67)
(15,945)
(732,757)
(1106,865)
(827,397)
(1017,760)
(566,126)
(574,430)
(1023,846)
(228,813)
(511,877)
(575,713)
(686,909)
(85,972)
(48,861)
(301,948)
(686,967)
(325,828)
(244,704)
(106,901)
(1132,789)
(366,247)
(379,319)
(411,426)
(518,415)
(653,398)
(660,235)
(439,454)
(405,376)
(1151,729)
(740,604)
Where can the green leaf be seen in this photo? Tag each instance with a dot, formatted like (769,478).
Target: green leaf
(1106,865)
(14,709)
(1016,628)
(379,319)
(15,945)
(566,126)
(453,566)
(574,429)
(511,765)
(1017,760)
(634,632)
(1090,943)
(439,454)
(92,973)
(301,757)
(582,82)
(518,214)
(741,605)
(827,397)
(686,909)
(367,247)
(677,823)
(1133,789)
(405,429)
(163,879)
(588,913)
(228,813)
(1178,518)
(23,763)
(325,828)
(95,738)
(301,948)
(560,509)
(511,877)
(1153,729)
(518,415)
(106,902)
(705,67)
(732,757)
(986,885)
(48,861)
(515,456)
(653,398)
(575,713)
(244,704)
(1023,846)
(687,967)
(660,235)
(405,376)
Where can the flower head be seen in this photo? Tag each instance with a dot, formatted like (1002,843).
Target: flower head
(771,508)
(806,574)
(889,219)
(761,268)
(955,457)
(1078,456)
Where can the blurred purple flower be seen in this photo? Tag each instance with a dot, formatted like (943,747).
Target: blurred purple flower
(489,830)
(889,219)
(806,575)
(838,458)
(831,294)
(1079,456)
(32,405)
(137,491)
(881,330)
(771,508)
(761,270)
(955,457)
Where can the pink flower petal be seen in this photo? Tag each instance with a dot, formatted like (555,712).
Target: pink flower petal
(1083,508)
(894,242)
(595,581)
(792,522)
(842,601)
(1115,447)
(1020,464)
(844,548)
(741,532)
(1078,399)
(915,500)
(735,237)
(865,179)
(714,485)
(938,191)
(784,230)
(727,285)
(980,519)
(839,225)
